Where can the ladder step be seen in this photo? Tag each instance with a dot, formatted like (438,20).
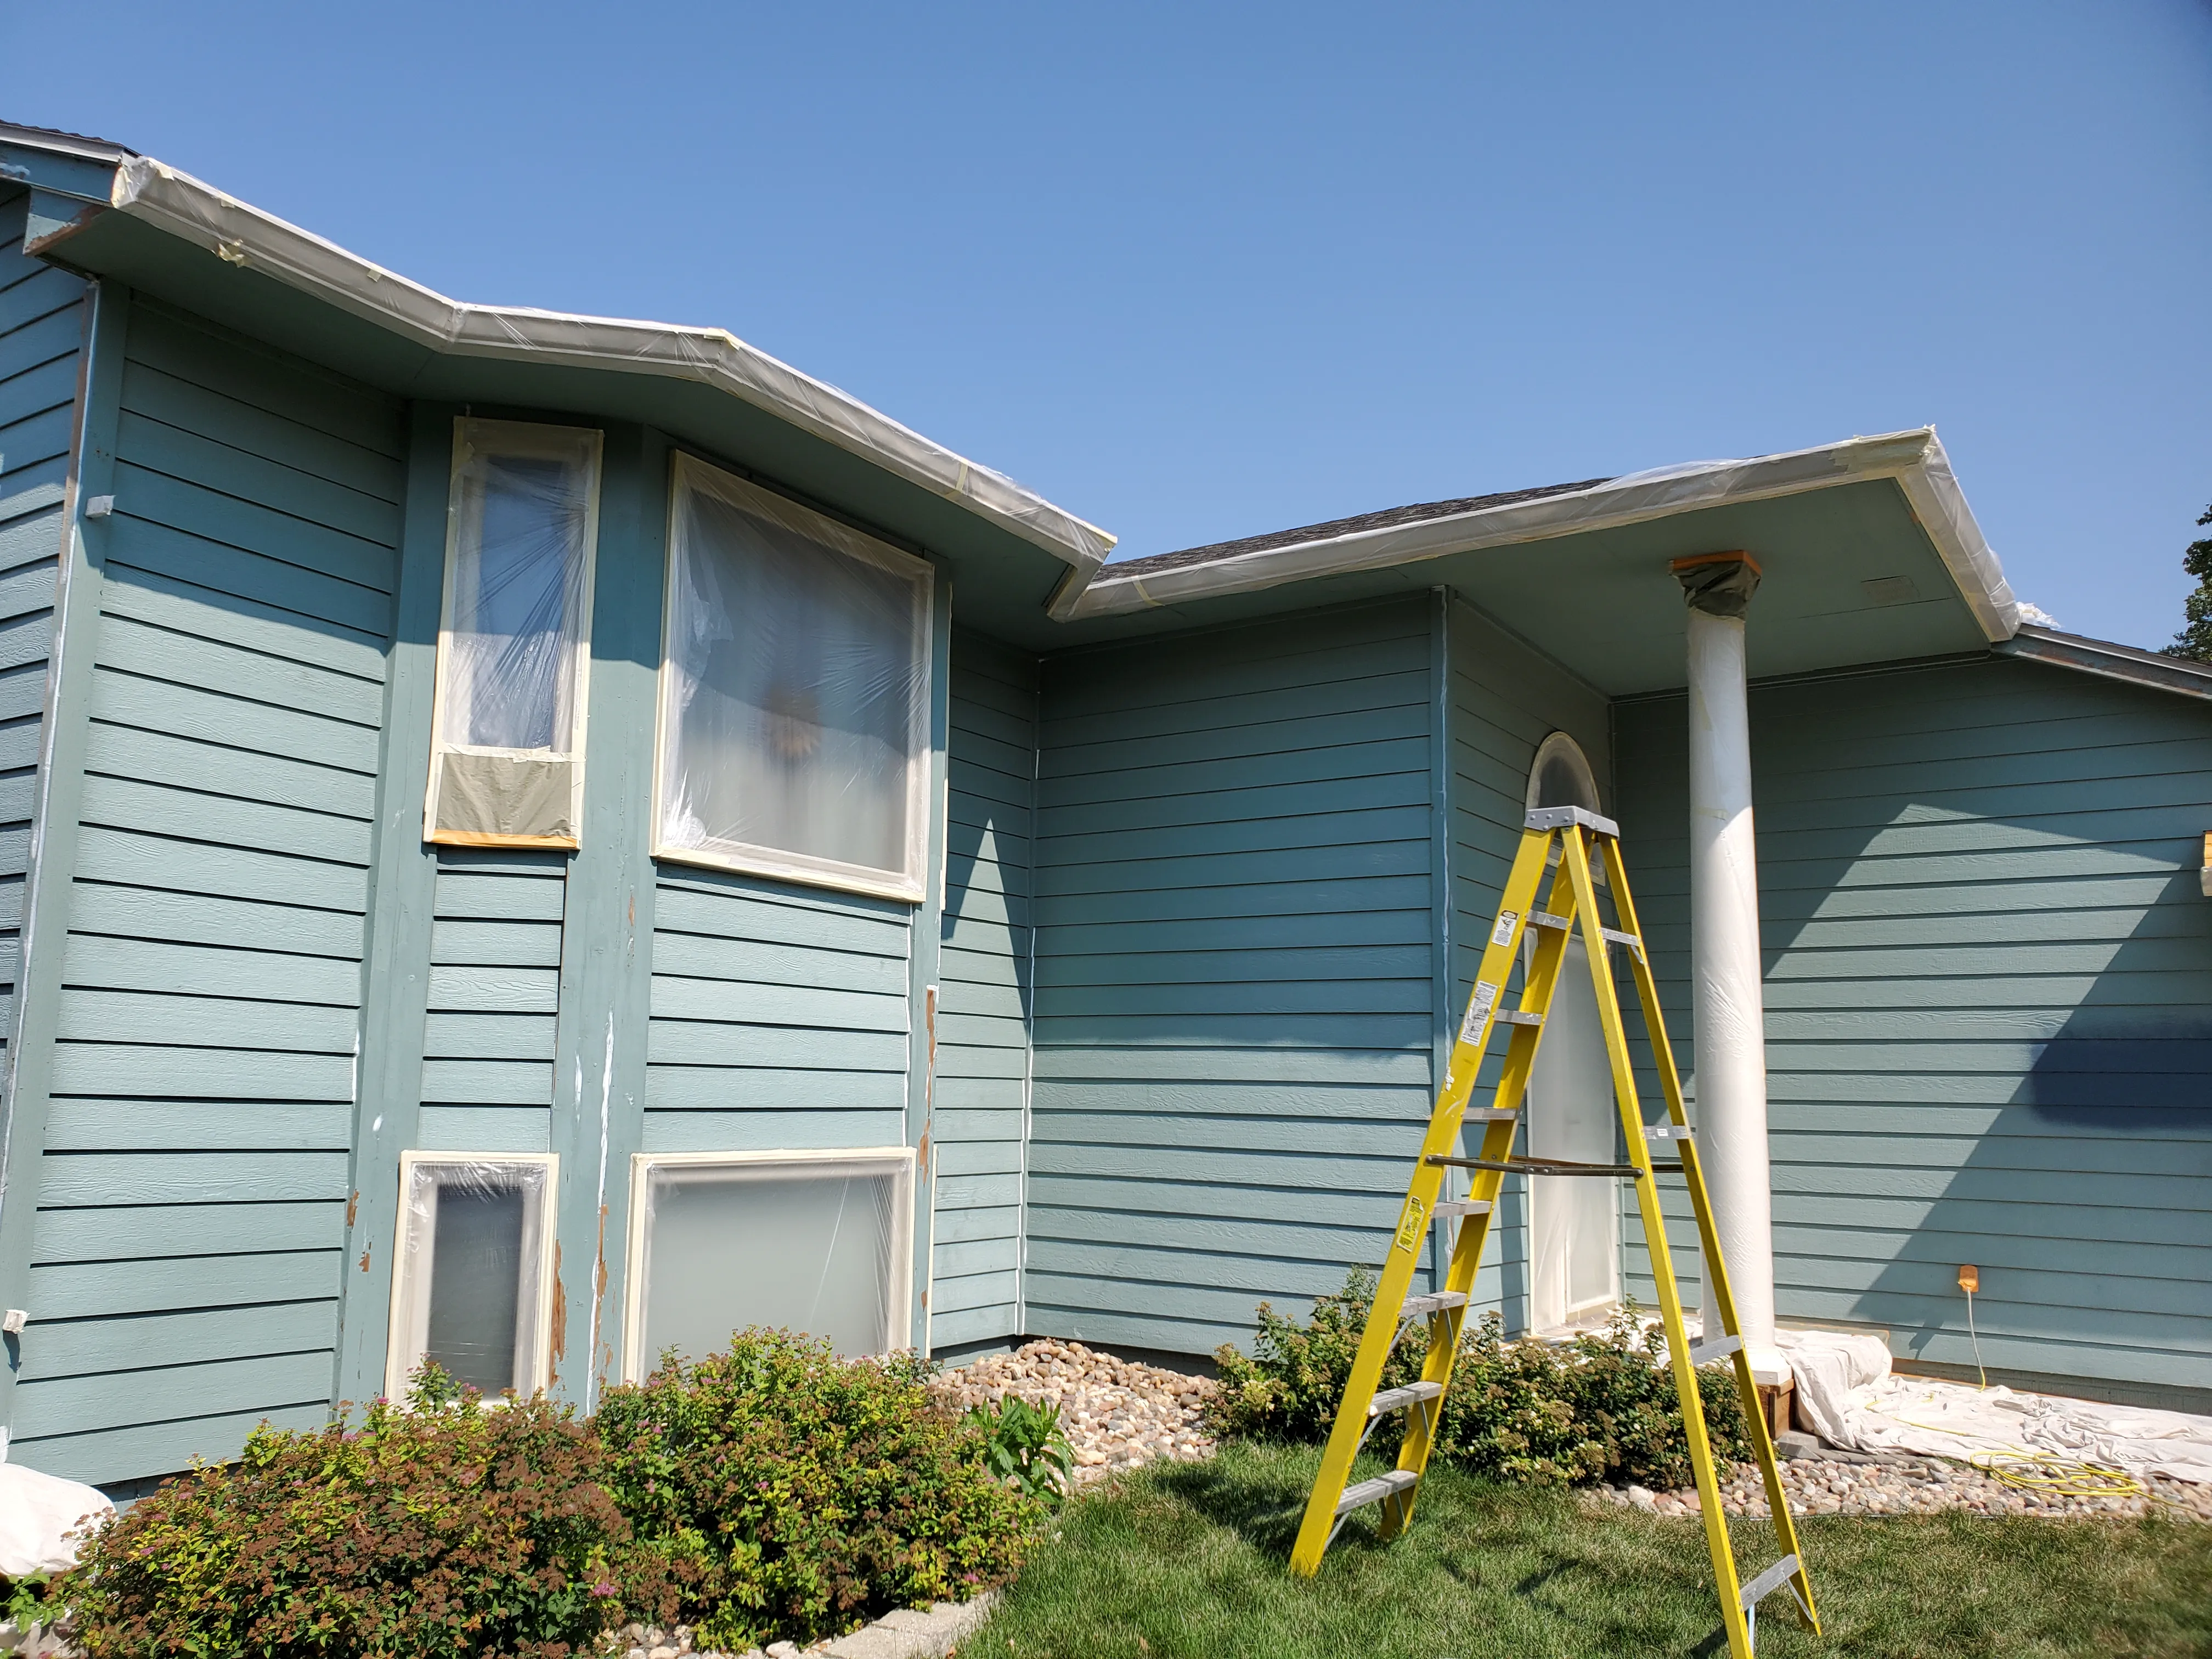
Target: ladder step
(1704,1353)
(1420,1307)
(1559,817)
(1760,1588)
(1462,1207)
(1394,1400)
(1490,1114)
(1669,1132)
(1546,919)
(1558,1166)
(1614,936)
(1382,1486)
(1518,1017)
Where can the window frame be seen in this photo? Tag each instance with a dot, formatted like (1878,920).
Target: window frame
(636,1362)
(908,886)
(399,1356)
(529,440)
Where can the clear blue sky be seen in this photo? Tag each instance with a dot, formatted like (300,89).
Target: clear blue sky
(1198,271)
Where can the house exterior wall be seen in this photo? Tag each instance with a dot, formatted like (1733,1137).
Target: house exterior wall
(1236,997)
(197,1017)
(42,317)
(1988,965)
(981,1090)
(1505,699)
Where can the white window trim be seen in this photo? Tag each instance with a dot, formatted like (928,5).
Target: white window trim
(688,471)
(636,1362)
(398,1337)
(524,438)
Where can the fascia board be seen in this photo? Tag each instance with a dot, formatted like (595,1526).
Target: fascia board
(1916,460)
(2111,662)
(183,207)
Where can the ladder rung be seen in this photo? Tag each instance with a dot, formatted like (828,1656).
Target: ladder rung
(1518,1017)
(1420,1307)
(1762,1587)
(1462,1207)
(1490,1114)
(1704,1353)
(1546,919)
(1669,1132)
(1382,1486)
(1614,936)
(1394,1400)
(1557,1166)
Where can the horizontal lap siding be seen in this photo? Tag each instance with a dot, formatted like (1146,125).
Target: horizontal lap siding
(194,1184)
(779,1017)
(1235,979)
(41,332)
(1988,963)
(981,1091)
(495,991)
(1505,701)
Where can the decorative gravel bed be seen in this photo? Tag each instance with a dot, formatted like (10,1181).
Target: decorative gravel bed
(1118,1413)
(1908,1486)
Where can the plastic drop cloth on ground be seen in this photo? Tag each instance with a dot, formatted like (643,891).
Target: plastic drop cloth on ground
(43,1518)
(1855,1400)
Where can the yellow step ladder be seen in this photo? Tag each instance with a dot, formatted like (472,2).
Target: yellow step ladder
(1570,836)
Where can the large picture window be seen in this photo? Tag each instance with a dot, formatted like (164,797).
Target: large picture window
(794,712)
(507,764)
(472,1283)
(814,1242)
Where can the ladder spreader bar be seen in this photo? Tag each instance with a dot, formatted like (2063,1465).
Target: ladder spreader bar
(1559,1166)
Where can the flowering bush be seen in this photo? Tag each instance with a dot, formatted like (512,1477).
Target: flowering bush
(1603,1406)
(450,1529)
(790,1494)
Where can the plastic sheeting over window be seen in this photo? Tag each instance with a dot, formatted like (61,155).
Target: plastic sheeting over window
(794,722)
(512,651)
(812,1242)
(473,1282)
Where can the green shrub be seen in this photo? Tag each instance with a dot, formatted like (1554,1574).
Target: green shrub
(448,1530)
(793,1495)
(1600,1407)
(1025,1447)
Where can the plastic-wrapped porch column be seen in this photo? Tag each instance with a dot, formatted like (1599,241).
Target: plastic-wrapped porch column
(1727,1007)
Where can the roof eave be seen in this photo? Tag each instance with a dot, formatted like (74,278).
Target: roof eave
(1915,459)
(2109,661)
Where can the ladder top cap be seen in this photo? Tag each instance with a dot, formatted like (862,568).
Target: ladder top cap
(1559,817)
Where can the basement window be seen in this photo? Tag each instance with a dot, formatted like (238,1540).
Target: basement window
(507,761)
(474,1281)
(794,693)
(820,1242)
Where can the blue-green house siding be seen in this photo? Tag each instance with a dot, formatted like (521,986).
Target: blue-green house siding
(1505,699)
(491,1000)
(1988,969)
(41,330)
(1235,996)
(981,1085)
(193,1186)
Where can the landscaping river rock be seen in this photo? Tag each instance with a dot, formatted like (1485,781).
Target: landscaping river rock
(1118,1413)
(1907,1487)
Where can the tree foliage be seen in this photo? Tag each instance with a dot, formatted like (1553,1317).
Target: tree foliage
(2195,641)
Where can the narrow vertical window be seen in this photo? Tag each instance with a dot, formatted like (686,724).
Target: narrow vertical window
(473,1281)
(819,1242)
(506,765)
(794,713)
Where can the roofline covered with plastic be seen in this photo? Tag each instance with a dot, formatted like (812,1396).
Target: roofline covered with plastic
(185,206)
(1915,459)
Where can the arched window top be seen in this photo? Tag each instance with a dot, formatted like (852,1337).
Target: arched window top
(1561,775)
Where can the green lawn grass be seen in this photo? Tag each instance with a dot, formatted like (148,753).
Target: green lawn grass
(1187,1561)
